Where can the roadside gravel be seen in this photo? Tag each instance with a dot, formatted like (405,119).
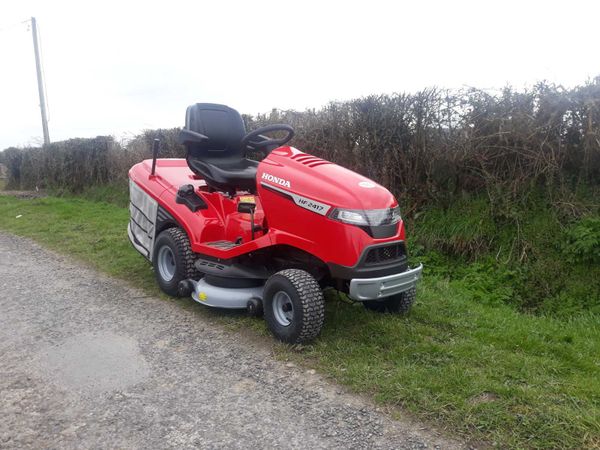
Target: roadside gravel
(87,361)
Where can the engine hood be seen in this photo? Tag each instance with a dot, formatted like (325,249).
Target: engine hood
(328,185)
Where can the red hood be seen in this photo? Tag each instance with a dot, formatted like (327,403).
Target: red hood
(312,177)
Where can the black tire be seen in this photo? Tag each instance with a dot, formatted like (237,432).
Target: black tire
(394,304)
(306,299)
(175,241)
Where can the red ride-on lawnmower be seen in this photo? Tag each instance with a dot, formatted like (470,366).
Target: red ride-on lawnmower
(268,235)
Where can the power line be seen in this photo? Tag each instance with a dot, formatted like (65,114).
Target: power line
(8,27)
(39,66)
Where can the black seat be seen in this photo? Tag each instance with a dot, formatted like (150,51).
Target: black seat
(217,155)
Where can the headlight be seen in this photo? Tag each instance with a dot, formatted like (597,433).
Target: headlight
(371,217)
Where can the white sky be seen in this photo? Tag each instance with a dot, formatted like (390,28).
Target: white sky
(120,67)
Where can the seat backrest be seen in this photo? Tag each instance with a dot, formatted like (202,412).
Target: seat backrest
(223,126)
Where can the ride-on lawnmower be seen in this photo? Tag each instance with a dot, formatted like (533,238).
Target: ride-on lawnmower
(270,235)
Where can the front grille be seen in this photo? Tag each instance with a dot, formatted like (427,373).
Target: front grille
(385,254)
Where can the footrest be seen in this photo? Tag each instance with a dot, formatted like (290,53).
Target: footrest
(222,245)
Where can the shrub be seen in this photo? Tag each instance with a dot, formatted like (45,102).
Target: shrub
(582,243)
(432,146)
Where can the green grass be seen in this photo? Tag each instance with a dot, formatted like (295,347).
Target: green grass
(116,193)
(535,257)
(483,370)
(94,232)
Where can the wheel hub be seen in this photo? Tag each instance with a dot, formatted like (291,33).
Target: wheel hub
(283,308)
(166,263)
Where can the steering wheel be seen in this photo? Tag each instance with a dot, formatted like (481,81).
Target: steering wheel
(255,141)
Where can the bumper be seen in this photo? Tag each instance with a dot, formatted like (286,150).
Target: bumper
(373,288)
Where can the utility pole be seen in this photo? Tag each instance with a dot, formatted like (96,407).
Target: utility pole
(38,67)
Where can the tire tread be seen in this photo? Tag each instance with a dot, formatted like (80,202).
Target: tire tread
(185,250)
(177,239)
(312,299)
(396,304)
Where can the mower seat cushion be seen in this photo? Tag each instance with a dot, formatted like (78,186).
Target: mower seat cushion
(219,159)
(226,173)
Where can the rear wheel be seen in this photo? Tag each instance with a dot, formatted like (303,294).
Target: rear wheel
(173,260)
(394,304)
(294,306)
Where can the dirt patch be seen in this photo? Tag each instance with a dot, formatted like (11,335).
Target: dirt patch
(92,363)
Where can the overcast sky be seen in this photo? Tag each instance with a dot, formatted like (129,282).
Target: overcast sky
(120,67)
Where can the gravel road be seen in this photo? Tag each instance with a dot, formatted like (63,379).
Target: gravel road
(87,361)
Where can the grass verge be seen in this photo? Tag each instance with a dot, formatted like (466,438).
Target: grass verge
(484,371)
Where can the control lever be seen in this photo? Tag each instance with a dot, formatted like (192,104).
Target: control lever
(248,208)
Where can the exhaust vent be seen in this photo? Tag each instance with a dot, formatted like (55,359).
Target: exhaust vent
(310,160)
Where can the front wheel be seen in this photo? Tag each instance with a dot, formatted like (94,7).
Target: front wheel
(394,304)
(294,306)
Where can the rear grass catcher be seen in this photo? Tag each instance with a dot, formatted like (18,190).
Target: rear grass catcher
(270,235)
